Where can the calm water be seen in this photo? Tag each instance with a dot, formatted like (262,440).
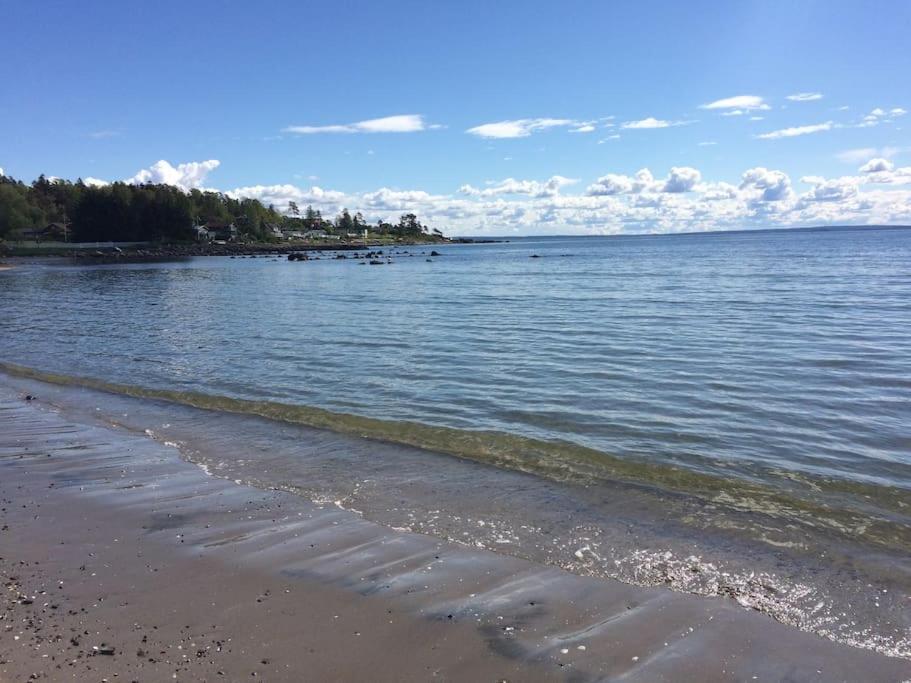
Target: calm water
(746,396)
(729,352)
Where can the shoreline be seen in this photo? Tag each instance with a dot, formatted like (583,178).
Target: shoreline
(312,589)
(639,535)
(169,252)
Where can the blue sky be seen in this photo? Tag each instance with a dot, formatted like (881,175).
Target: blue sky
(583,96)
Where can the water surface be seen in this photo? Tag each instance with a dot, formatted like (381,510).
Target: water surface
(741,396)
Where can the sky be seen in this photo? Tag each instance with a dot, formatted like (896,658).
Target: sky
(484,118)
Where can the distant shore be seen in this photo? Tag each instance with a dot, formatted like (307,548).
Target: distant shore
(163,252)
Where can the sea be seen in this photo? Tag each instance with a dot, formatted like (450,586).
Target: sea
(726,413)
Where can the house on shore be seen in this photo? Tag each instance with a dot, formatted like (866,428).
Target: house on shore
(52,232)
(274,231)
(224,232)
(319,235)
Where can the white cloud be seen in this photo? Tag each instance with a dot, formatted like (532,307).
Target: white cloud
(745,102)
(531,188)
(880,115)
(834,190)
(518,128)
(681,179)
(2,172)
(185,176)
(328,201)
(707,143)
(797,130)
(95,182)
(883,172)
(640,202)
(584,128)
(877,165)
(652,122)
(610,184)
(401,123)
(766,185)
(804,97)
(615,136)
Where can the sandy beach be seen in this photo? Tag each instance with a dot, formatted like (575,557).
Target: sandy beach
(121,559)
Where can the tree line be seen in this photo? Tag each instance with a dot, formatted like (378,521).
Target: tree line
(123,212)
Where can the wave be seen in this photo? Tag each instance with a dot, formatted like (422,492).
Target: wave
(877,515)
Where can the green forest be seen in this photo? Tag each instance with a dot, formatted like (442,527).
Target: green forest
(122,212)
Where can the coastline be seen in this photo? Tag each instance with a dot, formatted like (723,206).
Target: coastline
(147,546)
(167,252)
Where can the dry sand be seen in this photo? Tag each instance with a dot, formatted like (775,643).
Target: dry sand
(120,561)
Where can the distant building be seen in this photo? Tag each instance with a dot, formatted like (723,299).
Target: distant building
(57,231)
(53,232)
(201,233)
(273,230)
(316,235)
(225,232)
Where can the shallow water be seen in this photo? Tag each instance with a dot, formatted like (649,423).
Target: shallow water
(745,395)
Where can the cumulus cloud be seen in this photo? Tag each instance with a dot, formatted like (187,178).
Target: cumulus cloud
(652,122)
(883,172)
(796,131)
(94,182)
(519,128)
(610,184)
(185,176)
(766,185)
(680,200)
(2,172)
(400,123)
(877,166)
(531,188)
(280,195)
(681,179)
(804,97)
(744,102)
(834,190)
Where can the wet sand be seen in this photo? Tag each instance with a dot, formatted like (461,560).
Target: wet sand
(110,541)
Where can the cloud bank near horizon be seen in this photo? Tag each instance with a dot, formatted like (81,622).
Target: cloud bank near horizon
(680,201)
